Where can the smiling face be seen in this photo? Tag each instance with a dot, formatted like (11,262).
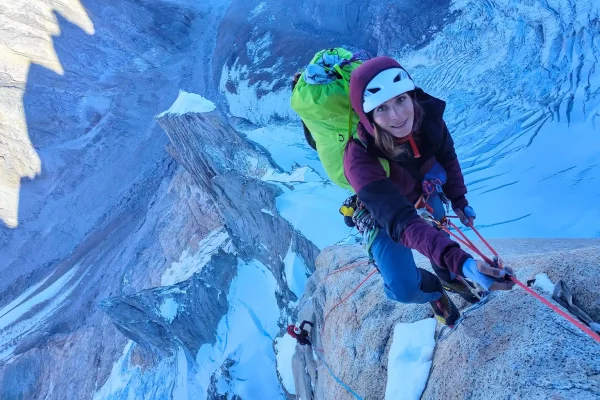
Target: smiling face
(396,116)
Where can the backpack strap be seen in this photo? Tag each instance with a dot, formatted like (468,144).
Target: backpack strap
(346,78)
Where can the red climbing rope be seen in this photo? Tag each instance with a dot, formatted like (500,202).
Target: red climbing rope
(557,310)
(468,243)
(465,240)
(482,239)
(445,225)
(353,265)
(346,298)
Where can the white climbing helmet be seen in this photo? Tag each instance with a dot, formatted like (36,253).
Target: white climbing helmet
(386,85)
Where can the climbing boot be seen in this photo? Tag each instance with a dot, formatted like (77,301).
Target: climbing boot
(444,310)
(464,289)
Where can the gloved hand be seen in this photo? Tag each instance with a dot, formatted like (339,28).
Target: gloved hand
(490,278)
(467,215)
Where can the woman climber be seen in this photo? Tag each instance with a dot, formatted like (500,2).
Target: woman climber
(404,125)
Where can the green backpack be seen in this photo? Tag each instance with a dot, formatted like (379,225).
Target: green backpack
(322,100)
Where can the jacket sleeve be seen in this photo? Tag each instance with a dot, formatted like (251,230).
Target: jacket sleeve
(455,187)
(395,213)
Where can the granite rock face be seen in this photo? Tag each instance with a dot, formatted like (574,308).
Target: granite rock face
(513,346)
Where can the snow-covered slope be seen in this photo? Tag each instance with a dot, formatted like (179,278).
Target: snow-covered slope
(522,86)
(523,90)
(226,366)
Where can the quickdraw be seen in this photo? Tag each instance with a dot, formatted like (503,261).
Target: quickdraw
(432,187)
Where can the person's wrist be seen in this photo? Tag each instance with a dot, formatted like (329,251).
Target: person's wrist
(459,203)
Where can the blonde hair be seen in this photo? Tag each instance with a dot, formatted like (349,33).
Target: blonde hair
(386,142)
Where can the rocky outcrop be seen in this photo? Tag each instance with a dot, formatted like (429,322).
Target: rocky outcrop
(513,344)
(207,146)
(530,351)
(92,203)
(184,315)
(230,167)
(226,170)
(248,208)
(356,336)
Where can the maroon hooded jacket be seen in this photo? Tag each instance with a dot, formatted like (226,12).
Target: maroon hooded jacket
(391,200)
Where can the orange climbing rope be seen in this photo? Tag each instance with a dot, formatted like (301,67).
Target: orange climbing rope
(353,265)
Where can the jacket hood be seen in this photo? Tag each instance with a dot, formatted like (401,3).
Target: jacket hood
(359,80)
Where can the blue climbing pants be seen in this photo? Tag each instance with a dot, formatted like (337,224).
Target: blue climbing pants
(403,281)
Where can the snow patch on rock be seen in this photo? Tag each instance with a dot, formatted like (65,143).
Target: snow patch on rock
(410,358)
(544,283)
(285,347)
(189,103)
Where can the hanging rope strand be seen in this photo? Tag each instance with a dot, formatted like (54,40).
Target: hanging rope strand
(353,265)
(483,240)
(338,380)
(472,247)
(557,310)
(346,298)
